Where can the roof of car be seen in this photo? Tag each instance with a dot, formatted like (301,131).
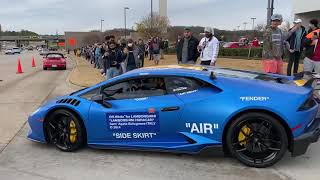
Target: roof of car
(172,69)
(198,70)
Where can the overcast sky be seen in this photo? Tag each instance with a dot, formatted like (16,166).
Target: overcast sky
(47,16)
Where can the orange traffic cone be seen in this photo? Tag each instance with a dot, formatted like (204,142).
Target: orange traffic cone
(33,62)
(19,68)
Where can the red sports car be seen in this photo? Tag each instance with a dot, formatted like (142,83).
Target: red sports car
(54,60)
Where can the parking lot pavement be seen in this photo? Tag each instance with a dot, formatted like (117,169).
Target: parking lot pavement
(8,66)
(38,161)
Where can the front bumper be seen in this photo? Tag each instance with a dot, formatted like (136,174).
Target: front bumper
(311,135)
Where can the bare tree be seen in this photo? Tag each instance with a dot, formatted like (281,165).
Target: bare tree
(285,26)
(261,27)
(153,26)
(93,37)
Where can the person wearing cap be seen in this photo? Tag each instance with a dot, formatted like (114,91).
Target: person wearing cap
(296,41)
(274,45)
(209,48)
(187,52)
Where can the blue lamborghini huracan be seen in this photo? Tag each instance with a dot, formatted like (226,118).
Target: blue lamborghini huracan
(254,117)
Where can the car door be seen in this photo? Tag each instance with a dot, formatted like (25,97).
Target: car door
(201,105)
(142,114)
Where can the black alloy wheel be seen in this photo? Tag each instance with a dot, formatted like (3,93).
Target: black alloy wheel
(257,140)
(65,131)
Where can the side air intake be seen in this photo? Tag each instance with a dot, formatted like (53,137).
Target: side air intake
(71,101)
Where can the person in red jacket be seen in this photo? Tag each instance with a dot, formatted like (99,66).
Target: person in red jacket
(255,42)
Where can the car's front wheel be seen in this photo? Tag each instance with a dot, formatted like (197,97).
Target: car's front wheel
(257,140)
(65,131)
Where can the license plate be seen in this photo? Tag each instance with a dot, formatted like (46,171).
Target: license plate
(54,66)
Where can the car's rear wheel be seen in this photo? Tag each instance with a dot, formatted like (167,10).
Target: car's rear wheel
(44,68)
(65,131)
(257,140)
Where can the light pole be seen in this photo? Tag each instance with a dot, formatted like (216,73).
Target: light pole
(101,21)
(151,16)
(125,22)
(238,28)
(245,25)
(270,11)
(253,19)
(0,38)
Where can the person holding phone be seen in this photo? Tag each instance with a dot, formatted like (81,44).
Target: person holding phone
(312,59)
(209,48)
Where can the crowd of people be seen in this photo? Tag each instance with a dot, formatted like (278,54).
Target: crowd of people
(113,58)
(296,41)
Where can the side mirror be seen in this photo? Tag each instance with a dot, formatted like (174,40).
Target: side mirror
(101,100)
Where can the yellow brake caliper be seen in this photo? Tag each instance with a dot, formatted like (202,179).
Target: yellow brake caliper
(243,134)
(73,132)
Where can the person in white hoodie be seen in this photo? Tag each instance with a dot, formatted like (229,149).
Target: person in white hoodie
(209,48)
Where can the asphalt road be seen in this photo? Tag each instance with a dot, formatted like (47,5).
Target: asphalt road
(23,159)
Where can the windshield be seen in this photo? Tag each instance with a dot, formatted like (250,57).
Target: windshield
(55,56)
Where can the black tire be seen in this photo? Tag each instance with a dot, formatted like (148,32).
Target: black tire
(44,68)
(61,134)
(257,140)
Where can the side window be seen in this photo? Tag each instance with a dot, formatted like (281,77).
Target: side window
(177,85)
(136,88)
(88,95)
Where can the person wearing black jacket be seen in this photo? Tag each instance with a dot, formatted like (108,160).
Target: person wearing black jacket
(141,52)
(187,48)
(113,59)
(296,46)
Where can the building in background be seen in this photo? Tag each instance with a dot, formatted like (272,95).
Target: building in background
(75,40)
(163,8)
(306,10)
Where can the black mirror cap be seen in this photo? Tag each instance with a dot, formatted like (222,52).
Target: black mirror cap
(213,76)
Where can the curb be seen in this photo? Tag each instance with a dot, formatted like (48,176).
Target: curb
(74,68)
(81,67)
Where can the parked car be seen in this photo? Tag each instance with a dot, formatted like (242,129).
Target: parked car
(53,49)
(44,52)
(8,52)
(231,45)
(16,50)
(54,60)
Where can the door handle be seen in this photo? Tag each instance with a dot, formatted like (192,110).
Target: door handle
(168,109)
